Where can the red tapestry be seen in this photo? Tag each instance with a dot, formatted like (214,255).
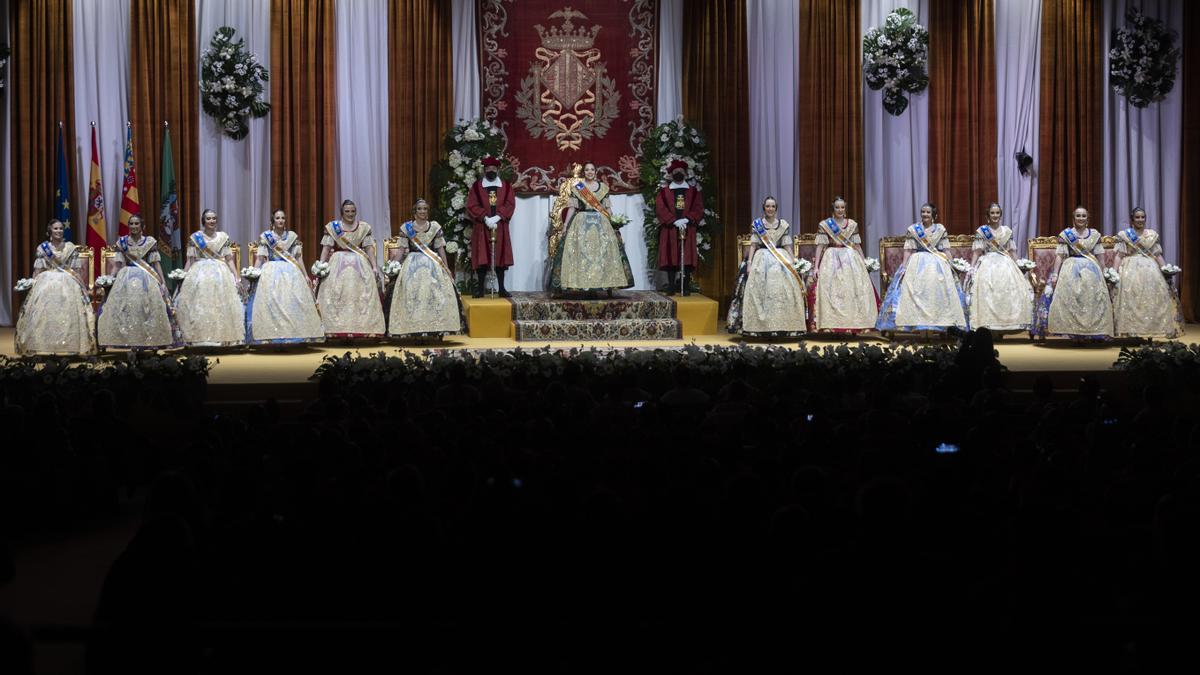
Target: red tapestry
(570,83)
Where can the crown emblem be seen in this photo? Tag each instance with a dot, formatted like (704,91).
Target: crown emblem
(567,36)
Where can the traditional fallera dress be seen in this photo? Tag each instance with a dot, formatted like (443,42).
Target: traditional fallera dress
(282,308)
(425,301)
(349,296)
(209,307)
(1077,305)
(1144,306)
(769,295)
(138,314)
(924,293)
(999,295)
(56,317)
(590,256)
(844,299)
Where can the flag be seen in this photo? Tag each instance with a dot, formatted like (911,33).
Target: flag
(97,229)
(62,189)
(130,205)
(168,216)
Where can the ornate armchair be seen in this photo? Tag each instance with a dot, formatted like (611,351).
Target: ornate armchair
(1041,250)
(803,246)
(891,254)
(86,255)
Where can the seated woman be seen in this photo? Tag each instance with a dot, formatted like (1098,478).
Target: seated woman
(137,313)
(425,301)
(844,299)
(999,295)
(924,294)
(209,306)
(349,296)
(282,309)
(1075,302)
(56,317)
(589,255)
(769,294)
(1145,306)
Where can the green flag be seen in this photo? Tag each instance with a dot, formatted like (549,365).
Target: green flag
(168,215)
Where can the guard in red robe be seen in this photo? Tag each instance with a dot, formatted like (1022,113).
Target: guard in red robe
(490,205)
(679,207)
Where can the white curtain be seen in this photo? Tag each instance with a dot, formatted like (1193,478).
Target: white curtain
(100,33)
(235,176)
(774,63)
(1018,65)
(670,60)
(896,149)
(6,280)
(362,128)
(1142,149)
(466,60)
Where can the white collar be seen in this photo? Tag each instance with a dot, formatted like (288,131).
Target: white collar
(491,183)
(676,186)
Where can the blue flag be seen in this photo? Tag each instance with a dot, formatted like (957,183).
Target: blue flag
(62,189)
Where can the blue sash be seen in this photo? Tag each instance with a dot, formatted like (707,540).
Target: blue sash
(411,231)
(1073,240)
(202,244)
(761,231)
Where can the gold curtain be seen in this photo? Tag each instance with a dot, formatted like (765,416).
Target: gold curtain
(303,121)
(163,85)
(1069,141)
(962,111)
(1189,222)
(830,111)
(716,91)
(421,92)
(40,81)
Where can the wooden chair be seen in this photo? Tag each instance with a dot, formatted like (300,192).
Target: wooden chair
(1042,251)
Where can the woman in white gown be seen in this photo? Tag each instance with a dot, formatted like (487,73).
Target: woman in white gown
(425,301)
(209,306)
(998,294)
(1145,306)
(56,317)
(1075,302)
(137,314)
(590,255)
(924,294)
(349,296)
(844,299)
(769,295)
(282,309)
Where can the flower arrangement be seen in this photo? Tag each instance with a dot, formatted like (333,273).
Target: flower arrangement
(251,273)
(1025,264)
(23,285)
(105,281)
(1143,59)
(802,265)
(619,220)
(894,59)
(391,268)
(960,265)
(466,144)
(320,269)
(177,274)
(231,84)
(1112,276)
(666,143)
(1170,270)
(872,264)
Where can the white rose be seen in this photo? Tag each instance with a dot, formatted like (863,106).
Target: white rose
(457,202)
(451,247)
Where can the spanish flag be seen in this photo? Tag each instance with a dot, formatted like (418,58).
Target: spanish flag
(97,228)
(130,206)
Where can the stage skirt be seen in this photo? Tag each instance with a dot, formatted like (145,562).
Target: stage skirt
(425,301)
(281,309)
(590,257)
(845,298)
(924,295)
(349,298)
(1145,305)
(999,295)
(56,317)
(768,300)
(209,309)
(137,313)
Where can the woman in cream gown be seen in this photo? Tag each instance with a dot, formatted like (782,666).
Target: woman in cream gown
(425,302)
(924,295)
(209,306)
(844,300)
(1075,302)
(56,317)
(769,295)
(590,255)
(349,296)
(999,295)
(282,309)
(137,313)
(1145,306)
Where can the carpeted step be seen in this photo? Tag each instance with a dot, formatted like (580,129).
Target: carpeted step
(607,329)
(624,305)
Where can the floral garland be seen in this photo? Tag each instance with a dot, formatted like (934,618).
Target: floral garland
(1142,61)
(662,146)
(894,59)
(466,144)
(231,84)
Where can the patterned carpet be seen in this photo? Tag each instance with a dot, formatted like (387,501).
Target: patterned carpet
(628,315)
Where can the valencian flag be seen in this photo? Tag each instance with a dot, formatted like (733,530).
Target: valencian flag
(97,227)
(130,205)
(62,188)
(168,216)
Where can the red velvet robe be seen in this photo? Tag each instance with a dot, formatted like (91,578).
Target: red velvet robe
(477,209)
(668,236)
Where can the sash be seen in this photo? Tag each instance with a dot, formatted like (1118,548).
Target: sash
(1073,242)
(919,230)
(411,231)
(590,197)
(335,228)
(123,244)
(275,243)
(990,237)
(52,259)
(202,244)
(1137,242)
(831,228)
(761,231)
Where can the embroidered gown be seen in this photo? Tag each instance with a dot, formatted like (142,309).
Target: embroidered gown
(768,299)
(844,299)
(349,296)
(590,256)
(137,314)
(1078,304)
(282,309)
(998,294)
(1145,305)
(208,307)
(425,301)
(56,317)
(924,293)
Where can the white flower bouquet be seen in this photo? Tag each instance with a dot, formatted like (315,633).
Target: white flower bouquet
(1143,60)
(872,264)
(231,84)
(23,285)
(619,220)
(802,265)
(177,274)
(960,265)
(1112,276)
(251,273)
(1170,270)
(894,58)
(1025,264)
(320,269)
(391,268)
(105,281)
(452,247)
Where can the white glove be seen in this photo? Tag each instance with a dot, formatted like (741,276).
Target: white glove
(492,222)
(681,223)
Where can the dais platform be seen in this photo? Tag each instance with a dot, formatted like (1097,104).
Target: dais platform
(628,315)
